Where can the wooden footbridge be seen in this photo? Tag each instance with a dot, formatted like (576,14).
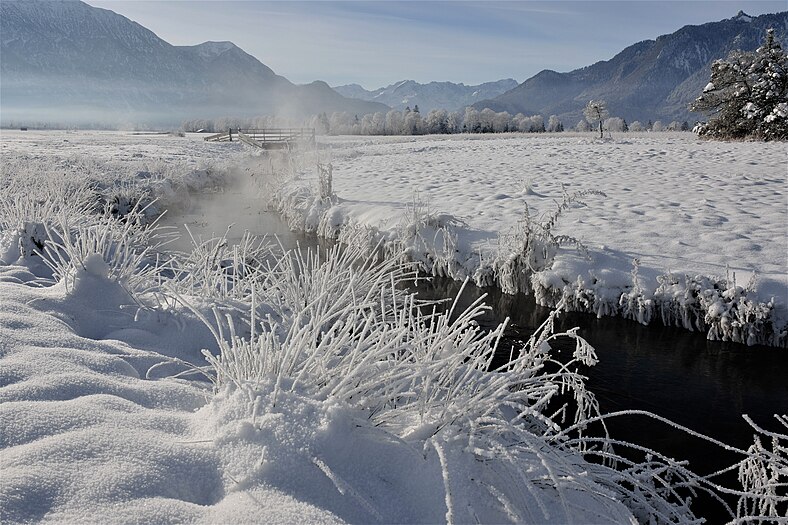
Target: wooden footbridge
(271,138)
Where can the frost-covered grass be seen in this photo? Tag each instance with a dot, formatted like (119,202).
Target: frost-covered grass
(331,393)
(702,219)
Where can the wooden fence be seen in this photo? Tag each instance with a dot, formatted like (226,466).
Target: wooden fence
(267,138)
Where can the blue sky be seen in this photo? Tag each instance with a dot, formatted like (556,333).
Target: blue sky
(378,43)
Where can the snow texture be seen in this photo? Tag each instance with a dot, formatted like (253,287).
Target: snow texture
(705,220)
(100,424)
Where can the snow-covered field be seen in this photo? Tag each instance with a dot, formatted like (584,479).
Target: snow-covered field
(143,386)
(681,206)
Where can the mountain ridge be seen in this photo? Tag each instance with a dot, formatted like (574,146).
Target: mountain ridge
(67,61)
(648,80)
(432,95)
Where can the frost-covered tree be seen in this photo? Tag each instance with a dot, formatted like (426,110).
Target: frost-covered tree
(322,124)
(472,120)
(748,94)
(596,112)
(437,121)
(394,122)
(637,126)
(615,124)
(454,122)
(532,124)
(502,122)
(373,124)
(411,123)
(554,124)
(658,126)
(487,120)
(583,126)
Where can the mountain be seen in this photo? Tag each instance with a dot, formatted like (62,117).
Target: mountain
(68,62)
(653,79)
(443,95)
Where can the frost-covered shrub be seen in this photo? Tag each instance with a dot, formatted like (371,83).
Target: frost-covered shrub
(429,239)
(220,270)
(29,206)
(719,307)
(634,305)
(325,180)
(763,475)
(533,245)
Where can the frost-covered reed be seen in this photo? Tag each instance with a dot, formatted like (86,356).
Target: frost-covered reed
(342,328)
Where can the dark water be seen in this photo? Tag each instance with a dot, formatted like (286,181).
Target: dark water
(703,385)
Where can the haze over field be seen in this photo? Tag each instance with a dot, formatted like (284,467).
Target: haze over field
(68,63)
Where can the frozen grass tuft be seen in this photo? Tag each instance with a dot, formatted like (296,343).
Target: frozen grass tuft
(533,245)
(342,329)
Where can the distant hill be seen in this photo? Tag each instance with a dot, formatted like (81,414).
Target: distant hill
(68,62)
(443,95)
(653,79)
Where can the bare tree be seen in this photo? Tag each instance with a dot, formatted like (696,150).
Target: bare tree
(596,111)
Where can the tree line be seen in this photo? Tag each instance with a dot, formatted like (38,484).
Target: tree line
(436,122)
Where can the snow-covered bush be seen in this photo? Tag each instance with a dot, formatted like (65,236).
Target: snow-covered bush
(428,239)
(28,206)
(532,246)
(216,269)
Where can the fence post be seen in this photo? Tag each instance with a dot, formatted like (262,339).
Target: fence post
(230,132)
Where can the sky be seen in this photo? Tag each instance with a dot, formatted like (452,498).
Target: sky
(375,44)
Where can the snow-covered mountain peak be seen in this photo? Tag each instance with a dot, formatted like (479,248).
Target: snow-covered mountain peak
(741,16)
(73,62)
(433,95)
(212,49)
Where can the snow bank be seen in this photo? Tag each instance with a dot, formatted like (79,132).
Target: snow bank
(702,219)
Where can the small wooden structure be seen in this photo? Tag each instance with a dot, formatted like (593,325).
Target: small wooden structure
(270,138)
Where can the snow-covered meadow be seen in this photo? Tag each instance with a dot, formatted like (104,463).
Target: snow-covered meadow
(697,215)
(141,385)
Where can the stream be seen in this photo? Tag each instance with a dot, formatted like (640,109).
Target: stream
(703,385)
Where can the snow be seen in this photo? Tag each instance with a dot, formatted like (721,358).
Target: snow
(101,425)
(741,16)
(86,438)
(680,205)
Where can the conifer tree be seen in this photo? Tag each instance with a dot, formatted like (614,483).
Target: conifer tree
(748,94)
